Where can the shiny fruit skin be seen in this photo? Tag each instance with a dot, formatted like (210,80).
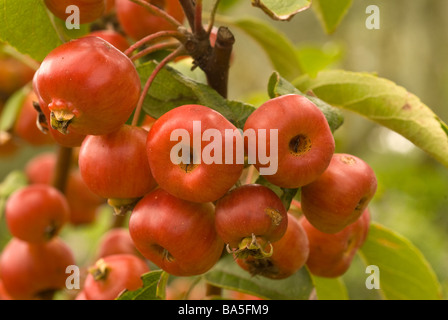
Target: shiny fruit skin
(36,213)
(138,22)
(340,195)
(116,241)
(89,10)
(116,165)
(31,271)
(197,182)
(331,254)
(113,37)
(89,85)
(177,235)
(290,254)
(305,141)
(250,209)
(124,272)
(25,126)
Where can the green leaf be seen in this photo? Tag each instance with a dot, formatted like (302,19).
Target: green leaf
(385,103)
(278,86)
(26,26)
(330,288)
(30,28)
(331,12)
(228,275)
(153,288)
(12,109)
(404,273)
(276,45)
(172,89)
(282,10)
(315,58)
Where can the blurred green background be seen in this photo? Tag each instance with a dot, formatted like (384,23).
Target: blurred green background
(410,48)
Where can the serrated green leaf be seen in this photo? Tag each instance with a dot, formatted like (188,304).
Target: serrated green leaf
(404,273)
(228,275)
(277,86)
(172,89)
(330,288)
(12,109)
(331,12)
(150,289)
(276,45)
(282,10)
(383,102)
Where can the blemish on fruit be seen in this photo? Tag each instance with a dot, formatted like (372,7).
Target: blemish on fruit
(275,216)
(299,145)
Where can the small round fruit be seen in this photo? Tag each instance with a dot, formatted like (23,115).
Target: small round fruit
(116,241)
(83,203)
(305,143)
(290,254)
(138,22)
(177,235)
(331,254)
(34,271)
(89,10)
(14,74)
(249,218)
(111,275)
(25,126)
(187,152)
(88,86)
(340,195)
(113,37)
(36,213)
(115,166)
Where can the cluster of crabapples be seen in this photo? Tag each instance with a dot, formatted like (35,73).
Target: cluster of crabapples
(184,215)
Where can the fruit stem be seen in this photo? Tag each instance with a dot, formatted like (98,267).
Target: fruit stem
(62,169)
(161,34)
(179,51)
(198,27)
(158,12)
(154,48)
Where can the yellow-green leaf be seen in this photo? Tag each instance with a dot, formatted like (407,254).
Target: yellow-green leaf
(383,102)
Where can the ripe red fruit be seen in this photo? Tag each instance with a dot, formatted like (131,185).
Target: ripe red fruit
(88,86)
(113,274)
(89,10)
(4,295)
(340,195)
(177,235)
(138,22)
(183,129)
(115,166)
(34,271)
(25,126)
(249,218)
(290,254)
(331,254)
(305,141)
(36,213)
(113,37)
(116,241)
(83,203)
(14,74)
